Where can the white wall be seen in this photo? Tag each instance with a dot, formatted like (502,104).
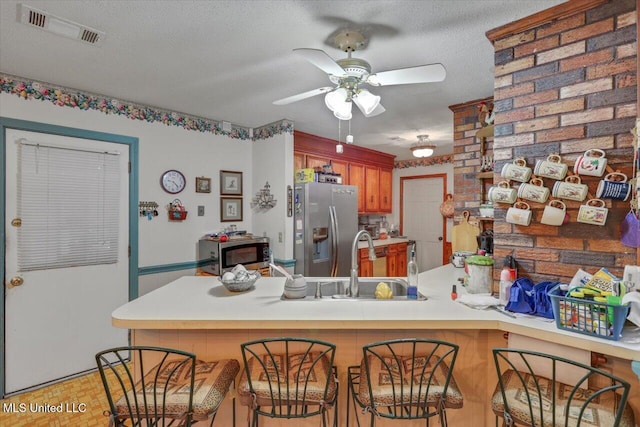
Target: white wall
(418,171)
(273,162)
(195,154)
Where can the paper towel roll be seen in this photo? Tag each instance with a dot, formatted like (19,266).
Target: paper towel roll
(633,299)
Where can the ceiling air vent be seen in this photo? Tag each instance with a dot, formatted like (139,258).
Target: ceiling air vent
(45,21)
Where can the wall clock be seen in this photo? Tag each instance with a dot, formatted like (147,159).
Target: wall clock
(172,181)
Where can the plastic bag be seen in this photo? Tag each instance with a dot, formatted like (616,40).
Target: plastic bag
(629,232)
(521,297)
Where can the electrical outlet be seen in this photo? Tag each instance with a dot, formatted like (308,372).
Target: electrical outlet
(200,210)
(280,237)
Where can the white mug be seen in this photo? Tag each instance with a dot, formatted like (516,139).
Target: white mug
(554,213)
(502,193)
(551,168)
(593,162)
(534,191)
(571,189)
(593,212)
(517,171)
(519,214)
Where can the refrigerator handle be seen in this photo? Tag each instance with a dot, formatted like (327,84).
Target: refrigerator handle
(334,241)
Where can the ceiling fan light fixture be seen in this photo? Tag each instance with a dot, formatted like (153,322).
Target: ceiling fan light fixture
(335,99)
(366,101)
(343,112)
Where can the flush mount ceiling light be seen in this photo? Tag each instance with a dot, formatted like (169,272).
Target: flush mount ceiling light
(423,148)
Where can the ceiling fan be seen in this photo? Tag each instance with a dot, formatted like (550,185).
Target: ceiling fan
(350,74)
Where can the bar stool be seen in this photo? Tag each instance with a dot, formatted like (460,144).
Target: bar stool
(532,390)
(405,379)
(163,386)
(288,378)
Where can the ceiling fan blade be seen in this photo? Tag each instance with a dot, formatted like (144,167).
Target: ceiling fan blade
(378,110)
(321,60)
(303,95)
(420,74)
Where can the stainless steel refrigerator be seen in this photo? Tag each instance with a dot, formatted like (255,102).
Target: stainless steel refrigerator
(325,224)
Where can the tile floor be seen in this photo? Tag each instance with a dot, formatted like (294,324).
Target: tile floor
(84,393)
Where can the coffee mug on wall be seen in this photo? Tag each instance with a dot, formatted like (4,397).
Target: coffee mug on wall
(614,186)
(519,214)
(554,213)
(593,212)
(593,162)
(502,193)
(551,168)
(534,191)
(571,189)
(517,171)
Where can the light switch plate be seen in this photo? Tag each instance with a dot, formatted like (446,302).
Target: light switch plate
(200,210)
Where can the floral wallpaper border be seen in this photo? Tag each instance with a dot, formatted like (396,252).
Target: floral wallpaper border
(428,161)
(66,97)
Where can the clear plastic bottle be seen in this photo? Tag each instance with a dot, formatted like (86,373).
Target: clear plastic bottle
(412,276)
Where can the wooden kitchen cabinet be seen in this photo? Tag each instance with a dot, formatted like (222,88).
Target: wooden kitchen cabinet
(385,190)
(396,261)
(341,168)
(371,189)
(392,260)
(365,268)
(356,177)
(317,162)
(369,170)
(402,259)
(299,161)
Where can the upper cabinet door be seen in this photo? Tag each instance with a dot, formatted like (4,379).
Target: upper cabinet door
(356,177)
(385,190)
(317,162)
(299,161)
(341,168)
(372,189)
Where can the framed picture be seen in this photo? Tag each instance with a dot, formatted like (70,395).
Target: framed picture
(230,183)
(230,209)
(203,185)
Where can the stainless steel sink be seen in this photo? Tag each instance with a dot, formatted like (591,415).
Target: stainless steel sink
(335,288)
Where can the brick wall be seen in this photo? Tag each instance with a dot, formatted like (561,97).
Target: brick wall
(469,190)
(564,87)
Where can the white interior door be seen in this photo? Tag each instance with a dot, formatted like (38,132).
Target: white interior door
(421,218)
(58,318)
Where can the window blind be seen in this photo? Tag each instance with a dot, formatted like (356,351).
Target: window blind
(68,200)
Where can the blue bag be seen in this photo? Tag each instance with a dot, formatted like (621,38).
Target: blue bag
(521,297)
(542,300)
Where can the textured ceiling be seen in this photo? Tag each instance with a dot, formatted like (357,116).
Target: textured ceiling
(229,60)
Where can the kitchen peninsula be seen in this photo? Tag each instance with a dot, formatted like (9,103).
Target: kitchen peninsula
(198,314)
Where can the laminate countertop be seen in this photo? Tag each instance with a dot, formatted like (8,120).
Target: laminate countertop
(201,302)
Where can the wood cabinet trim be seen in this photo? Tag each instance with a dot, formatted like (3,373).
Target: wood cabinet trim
(319,146)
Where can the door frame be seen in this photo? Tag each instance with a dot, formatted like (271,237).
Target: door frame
(132,142)
(443,177)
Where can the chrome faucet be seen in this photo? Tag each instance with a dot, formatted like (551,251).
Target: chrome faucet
(354,289)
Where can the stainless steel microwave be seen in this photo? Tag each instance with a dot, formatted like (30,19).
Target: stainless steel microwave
(221,257)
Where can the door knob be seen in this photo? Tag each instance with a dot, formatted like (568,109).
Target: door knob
(16,281)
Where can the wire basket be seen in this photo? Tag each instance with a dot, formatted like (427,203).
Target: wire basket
(588,317)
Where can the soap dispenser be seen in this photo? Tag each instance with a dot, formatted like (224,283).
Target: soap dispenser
(412,276)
